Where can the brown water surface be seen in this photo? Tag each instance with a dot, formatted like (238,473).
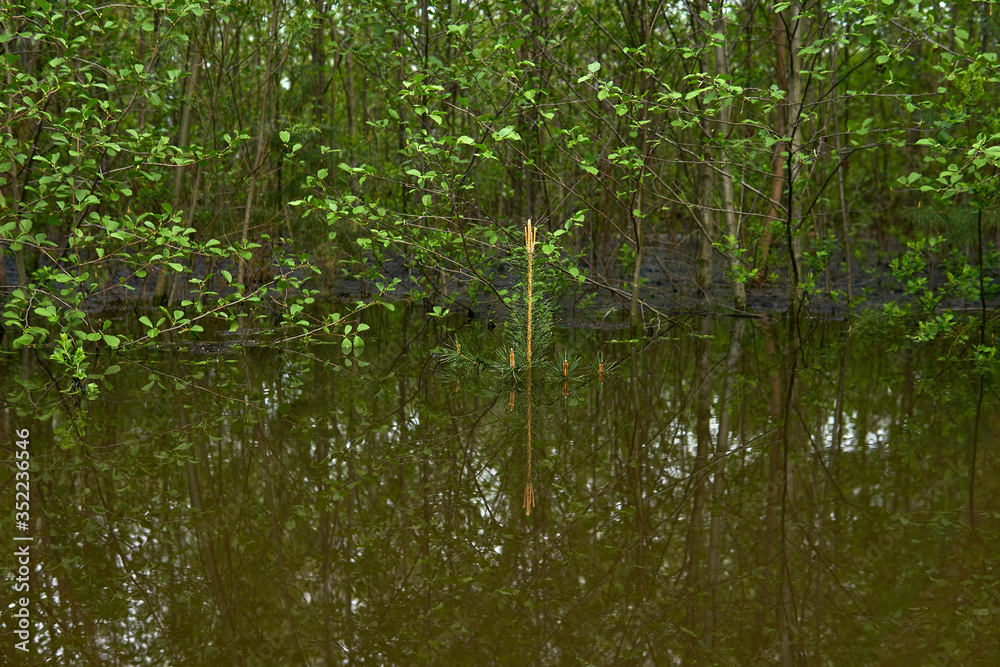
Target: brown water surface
(739,493)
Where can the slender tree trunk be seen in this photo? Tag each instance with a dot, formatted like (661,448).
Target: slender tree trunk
(707,231)
(265,98)
(317,53)
(725,169)
(774,212)
(845,209)
(11,179)
(163,277)
(349,98)
(704,174)
(795,23)
(636,214)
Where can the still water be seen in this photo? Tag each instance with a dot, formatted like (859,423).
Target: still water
(736,492)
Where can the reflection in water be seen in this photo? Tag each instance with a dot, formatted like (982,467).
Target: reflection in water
(746,493)
(529,489)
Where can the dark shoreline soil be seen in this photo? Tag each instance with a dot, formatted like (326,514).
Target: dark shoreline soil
(668,288)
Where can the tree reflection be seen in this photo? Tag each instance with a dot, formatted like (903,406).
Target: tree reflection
(747,492)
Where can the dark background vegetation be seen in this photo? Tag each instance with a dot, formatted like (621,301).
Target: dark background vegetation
(210,157)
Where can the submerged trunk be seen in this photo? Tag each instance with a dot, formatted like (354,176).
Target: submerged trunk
(699,473)
(722,450)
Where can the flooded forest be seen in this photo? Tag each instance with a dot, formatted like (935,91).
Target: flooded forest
(517,333)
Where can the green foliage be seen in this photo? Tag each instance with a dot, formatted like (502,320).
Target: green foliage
(908,269)
(743,273)
(87,210)
(235,160)
(71,356)
(918,317)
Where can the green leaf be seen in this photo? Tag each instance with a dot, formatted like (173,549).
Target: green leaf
(112,341)
(284,136)
(594,67)
(345,346)
(507,133)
